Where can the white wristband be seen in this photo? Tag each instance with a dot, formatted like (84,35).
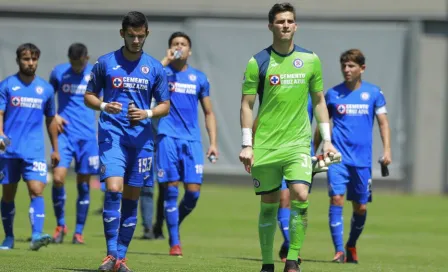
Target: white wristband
(103,106)
(324,129)
(247,136)
(149,113)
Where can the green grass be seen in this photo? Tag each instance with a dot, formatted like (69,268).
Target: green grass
(403,233)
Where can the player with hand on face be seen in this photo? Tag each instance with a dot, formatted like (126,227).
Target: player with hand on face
(130,79)
(179,147)
(77,139)
(353,106)
(24,100)
(283,75)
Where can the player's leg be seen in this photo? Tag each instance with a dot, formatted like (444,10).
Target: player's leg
(146,209)
(169,175)
(112,170)
(87,164)
(58,193)
(338,178)
(138,174)
(283,220)
(10,169)
(35,176)
(160,212)
(297,173)
(359,192)
(193,168)
(267,177)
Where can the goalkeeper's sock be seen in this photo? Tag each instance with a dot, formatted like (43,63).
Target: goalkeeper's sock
(356,227)
(266,230)
(336,223)
(298,223)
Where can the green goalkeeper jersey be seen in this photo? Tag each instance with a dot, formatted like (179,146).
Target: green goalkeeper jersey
(283,83)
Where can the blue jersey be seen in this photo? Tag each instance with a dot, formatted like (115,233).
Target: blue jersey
(24,107)
(187,88)
(353,114)
(71,87)
(121,81)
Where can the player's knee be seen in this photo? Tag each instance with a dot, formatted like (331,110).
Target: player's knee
(35,193)
(191,199)
(299,194)
(337,200)
(58,181)
(360,209)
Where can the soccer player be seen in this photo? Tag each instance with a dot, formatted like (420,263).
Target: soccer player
(129,79)
(283,75)
(24,99)
(179,147)
(353,105)
(77,138)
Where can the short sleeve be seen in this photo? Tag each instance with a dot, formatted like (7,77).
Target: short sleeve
(160,87)
(50,106)
(251,77)
(3,95)
(380,101)
(97,79)
(54,79)
(316,81)
(205,88)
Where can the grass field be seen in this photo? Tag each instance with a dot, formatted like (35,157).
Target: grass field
(403,233)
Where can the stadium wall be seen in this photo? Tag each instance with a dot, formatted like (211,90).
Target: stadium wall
(406,56)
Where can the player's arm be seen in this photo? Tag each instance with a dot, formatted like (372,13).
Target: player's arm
(161,96)
(3,101)
(55,82)
(94,90)
(169,57)
(52,128)
(210,125)
(383,123)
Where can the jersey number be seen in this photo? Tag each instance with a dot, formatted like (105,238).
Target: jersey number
(199,168)
(144,164)
(94,162)
(306,161)
(39,167)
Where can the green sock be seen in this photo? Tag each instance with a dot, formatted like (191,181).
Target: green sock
(267,223)
(298,223)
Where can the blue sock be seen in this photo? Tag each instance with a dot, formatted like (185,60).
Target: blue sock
(356,227)
(58,195)
(111,221)
(128,223)
(82,206)
(283,223)
(172,214)
(187,204)
(37,215)
(8,210)
(336,223)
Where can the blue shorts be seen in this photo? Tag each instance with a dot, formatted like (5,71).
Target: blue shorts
(179,160)
(134,165)
(12,170)
(355,180)
(85,153)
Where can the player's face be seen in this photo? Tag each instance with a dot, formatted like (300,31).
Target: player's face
(28,63)
(351,71)
(284,26)
(79,65)
(134,38)
(180,43)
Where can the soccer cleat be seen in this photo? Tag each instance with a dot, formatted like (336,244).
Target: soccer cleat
(78,239)
(351,256)
(40,241)
(147,234)
(339,257)
(120,266)
(158,232)
(59,233)
(8,243)
(267,268)
(291,266)
(108,264)
(175,251)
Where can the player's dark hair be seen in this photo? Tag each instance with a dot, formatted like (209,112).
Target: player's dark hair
(77,51)
(34,50)
(177,35)
(279,8)
(354,55)
(134,19)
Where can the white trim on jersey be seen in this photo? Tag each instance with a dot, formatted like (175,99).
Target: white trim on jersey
(381,110)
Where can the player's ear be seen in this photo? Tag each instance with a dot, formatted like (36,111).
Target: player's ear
(147,33)
(17,61)
(270,27)
(189,52)
(122,33)
(363,68)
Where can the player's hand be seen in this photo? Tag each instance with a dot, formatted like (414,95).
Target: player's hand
(3,144)
(247,158)
(169,57)
(55,158)
(136,114)
(387,158)
(213,150)
(60,123)
(113,107)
